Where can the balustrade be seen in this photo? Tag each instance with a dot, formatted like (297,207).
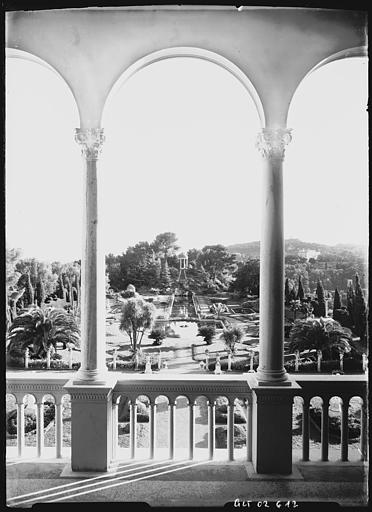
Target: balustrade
(231,386)
(326,387)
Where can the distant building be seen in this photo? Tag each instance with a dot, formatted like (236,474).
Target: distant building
(308,253)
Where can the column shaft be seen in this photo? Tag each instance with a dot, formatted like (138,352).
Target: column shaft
(20,428)
(249,430)
(59,429)
(40,428)
(93,311)
(305,430)
(230,431)
(344,429)
(191,430)
(271,361)
(152,430)
(211,419)
(172,426)
(324,429)
(133,429)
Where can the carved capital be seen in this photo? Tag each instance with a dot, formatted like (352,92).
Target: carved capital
(271,142)
(90,140)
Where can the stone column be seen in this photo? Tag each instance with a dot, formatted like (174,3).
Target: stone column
(93,312)
(271,143)
(92,387)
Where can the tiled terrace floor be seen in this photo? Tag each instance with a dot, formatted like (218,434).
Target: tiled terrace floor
(184,483)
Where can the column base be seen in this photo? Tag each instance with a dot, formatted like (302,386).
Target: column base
(272,378)
(91,377)
(91,425)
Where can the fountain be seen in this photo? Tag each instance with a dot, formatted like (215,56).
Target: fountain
(27,355)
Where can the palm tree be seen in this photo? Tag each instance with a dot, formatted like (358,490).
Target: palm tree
(323,334)
(40,328)
(231,336)
(137,316)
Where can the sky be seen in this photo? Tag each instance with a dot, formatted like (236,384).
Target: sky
(180,156)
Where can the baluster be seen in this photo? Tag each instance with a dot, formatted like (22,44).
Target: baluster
(39,427)
(191,429)
(248,407)
(230,430)
(211,418)
(172,425)
(20,427)
(344,428)
(305,429)
(115,408)
(152,429)
(59,426)
(363,432)
(324,429)
(133,428)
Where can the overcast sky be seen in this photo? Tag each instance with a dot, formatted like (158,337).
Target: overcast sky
(180,156)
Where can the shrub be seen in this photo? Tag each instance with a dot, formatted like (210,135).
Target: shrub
(208,332)
(30,418)
(231,336)
(240,434)
(335,423)
(157,334)
(221,412)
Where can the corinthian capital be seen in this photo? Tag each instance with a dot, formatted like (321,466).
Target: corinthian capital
(91,140)
(271,142)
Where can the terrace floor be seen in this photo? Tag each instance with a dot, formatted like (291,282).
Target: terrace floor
(197,483)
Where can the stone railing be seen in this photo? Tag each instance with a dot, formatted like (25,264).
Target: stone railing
(326,387)
(38,384)
(130,387)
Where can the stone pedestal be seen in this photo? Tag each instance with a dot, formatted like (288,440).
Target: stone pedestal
(91,426)
(272,427)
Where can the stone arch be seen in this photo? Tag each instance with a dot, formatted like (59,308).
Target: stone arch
(186,51)
(15,53)
(359,51)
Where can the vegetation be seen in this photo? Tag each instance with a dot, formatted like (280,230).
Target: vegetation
(158,334)
(40,328)
(322,334)
(136,317)
(247,278)
(208,332)
(231,336)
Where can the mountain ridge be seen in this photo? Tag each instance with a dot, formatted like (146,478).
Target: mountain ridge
(294,245)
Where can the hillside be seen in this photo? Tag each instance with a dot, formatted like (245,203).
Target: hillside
(293,246)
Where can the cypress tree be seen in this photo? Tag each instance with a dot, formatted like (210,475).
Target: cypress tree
(336,301)
(165,277)
(29,294)
(360,311)
(292,294)
(300,290)
(350,298)
(286,291)
(320,297)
